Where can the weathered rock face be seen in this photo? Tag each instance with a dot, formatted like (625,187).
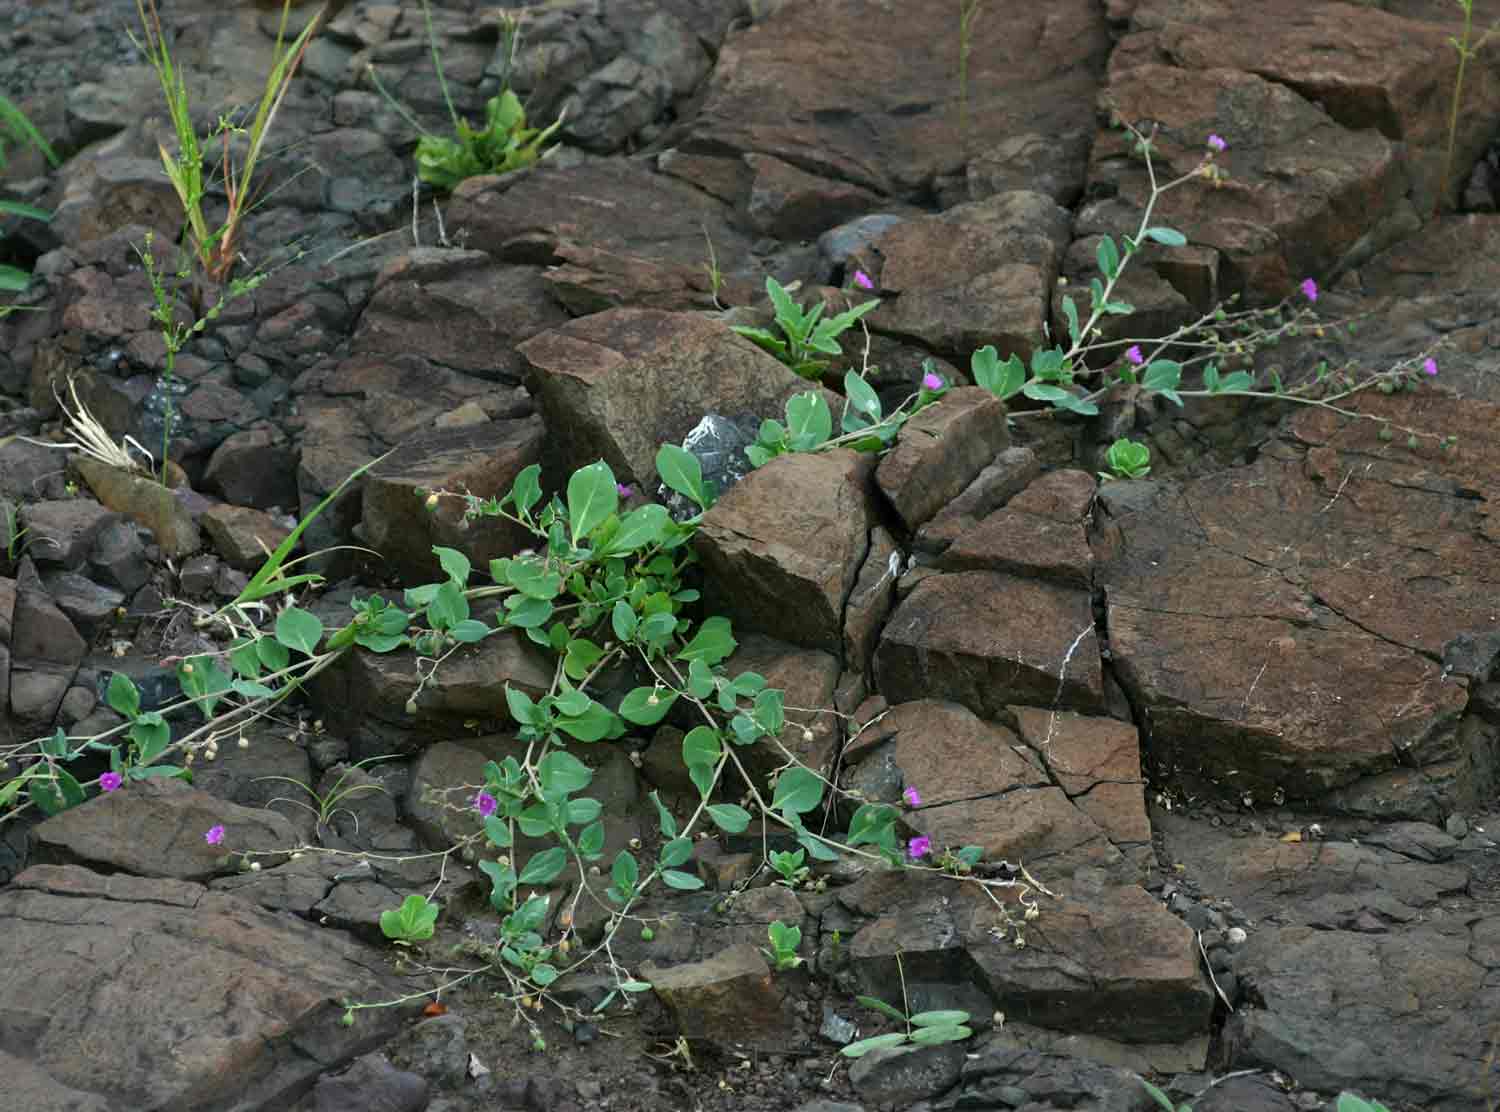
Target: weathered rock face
(619,384)
(897,128)
(781,550)
(1257,619)
(246,1000)
(942,449)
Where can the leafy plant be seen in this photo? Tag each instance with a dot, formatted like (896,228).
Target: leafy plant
(784,942)
(1162,1099)
(791,866)
(1467,49)
(1349,1102)
(16,128)
(503,144)
(806,337)
(328,802)
(413,921)
(923,1029)
(809,422)
(1127,459)
(217,248)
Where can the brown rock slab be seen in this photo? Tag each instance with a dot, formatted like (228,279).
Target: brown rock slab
(482,460)
(255,467)
(1097,762)
(246,1000)
(619,384)
(782,549)
(156,828)
(244,537)
(941,451)
(146,502)
(791,204)
(987,640)
(870,600)
(730,999)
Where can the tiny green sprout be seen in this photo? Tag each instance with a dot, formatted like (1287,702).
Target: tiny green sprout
(1411,442)
(647,934)
(412,922)
(784,942)
(347,1019)
(791,866)
(1127,459)
(1385,433)
(806,338)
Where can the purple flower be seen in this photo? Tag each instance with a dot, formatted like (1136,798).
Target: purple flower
(109,781)
(1309,289)
(1216,143)
(215,834)
(932,381)
(485,804)
(624,490)
(913,799)
(1133,353)
(919,847)
(862,280)
(1429,365)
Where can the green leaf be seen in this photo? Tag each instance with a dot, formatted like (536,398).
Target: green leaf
(581,812)
(874,1003)
(123,696)
(932,1036)
(700,679)
(454,563)
(703,777)
(448,606)
(467,631)
(948,1018)
(1070,311)
(299,629)
(1004,380)
(729,818)
(625,874)
(683,882)
(642,526)
(532,579)
(675,852)
(592,497)
(664,820)
(581,656)
(53,798)
(151,734)
(1163,376)
(1239,380)
(797,791)
(862,395)
(680,471)
(526,491)
(646,706)
(591,841)
(594,724)
(527,613)
(522,709)
(864,1046)
(701,746)
(768,713)
(413,922)
(545,867)
(560,771)
(713,642)
(1167,237)
(623,620)
(1109,257)
(498,832)
(808,421)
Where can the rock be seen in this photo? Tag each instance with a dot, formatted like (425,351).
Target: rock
(987,640)
(244,537)
(196,578)
(941,450)
(808,677)
(1040,534)
(782,549)
(897,128)
(1002,1075)
(118,558)
(790,204)
(156,828)
(371,1084)
(45,651)
(238,979)
(1294,690)
(902,1074)
(256,467)
(89,606)
(440,302)
(619,384)
(976,274)
(483,461)
(1097,762)
(60,534)
(871,599)
(1013,469)
(145,502)
(731,999)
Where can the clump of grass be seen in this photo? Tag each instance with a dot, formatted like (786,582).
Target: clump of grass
(15,127)
(92,438)
(216,248)
(504,144)
(1467,49)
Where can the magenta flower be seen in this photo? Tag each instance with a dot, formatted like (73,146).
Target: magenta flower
(624,490)
(862,280)
(1133,353)
(932,381)
(919,847)
(215,834)
(1216,143)
(913,799)
(485,804)
(1429,365)
(1309,289)
(109,781)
